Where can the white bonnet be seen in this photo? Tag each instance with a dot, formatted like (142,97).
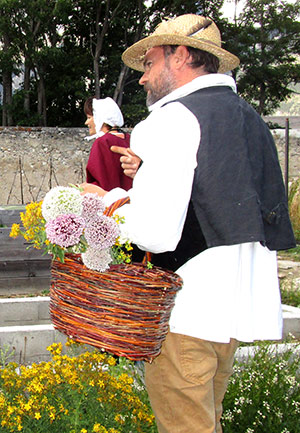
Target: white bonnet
(106,111)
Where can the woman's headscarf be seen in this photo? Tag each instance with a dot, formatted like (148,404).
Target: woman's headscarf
(106,111)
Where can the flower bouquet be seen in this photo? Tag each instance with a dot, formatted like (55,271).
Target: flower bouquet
(97,295)
(68,222)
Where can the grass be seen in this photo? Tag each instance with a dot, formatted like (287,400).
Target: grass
(292,254)
(290,297)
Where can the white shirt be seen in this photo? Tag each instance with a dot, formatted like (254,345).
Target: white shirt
(228,291)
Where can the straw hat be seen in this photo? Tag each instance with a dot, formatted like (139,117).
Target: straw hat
(189,30)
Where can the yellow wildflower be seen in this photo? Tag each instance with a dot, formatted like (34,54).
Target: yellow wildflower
(27,406)
(10,410)
(52,413)
(119,418)
(98,428)
(37,415)
(101,384)
(111,361)
(71,342)
(15,230)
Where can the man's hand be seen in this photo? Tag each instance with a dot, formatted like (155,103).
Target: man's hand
(90,187)
(129,161)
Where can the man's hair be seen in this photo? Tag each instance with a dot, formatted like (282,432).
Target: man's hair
(199,58)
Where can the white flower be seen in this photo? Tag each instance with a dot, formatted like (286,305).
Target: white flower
(61,200)
(97,260)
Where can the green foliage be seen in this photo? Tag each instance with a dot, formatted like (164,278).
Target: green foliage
(294,207)
(267,42)
(83,393)
(134,107)
(24,118)
(91,391)
(293,253)
(6,352)
(264,392)
(291,297)
(57,42)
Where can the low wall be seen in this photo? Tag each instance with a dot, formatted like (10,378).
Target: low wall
(32,160)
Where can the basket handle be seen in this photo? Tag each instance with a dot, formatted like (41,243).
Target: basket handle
(116,205)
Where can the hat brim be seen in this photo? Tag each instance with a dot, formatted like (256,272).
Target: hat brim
(134,55)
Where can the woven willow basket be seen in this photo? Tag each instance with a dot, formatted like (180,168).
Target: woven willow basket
(124,310)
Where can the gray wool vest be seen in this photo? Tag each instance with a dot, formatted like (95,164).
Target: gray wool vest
(238,193)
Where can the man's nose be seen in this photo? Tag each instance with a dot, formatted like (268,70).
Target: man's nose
(143,79)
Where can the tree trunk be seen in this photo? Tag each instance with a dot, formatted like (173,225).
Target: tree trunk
(100,38)
(99,43)
(27,88)
(97,77)
(262,93)
(7,119)
(118,93)
(119,90)
(262,99)
(42,102)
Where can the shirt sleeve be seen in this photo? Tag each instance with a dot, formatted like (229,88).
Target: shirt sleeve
(167,141)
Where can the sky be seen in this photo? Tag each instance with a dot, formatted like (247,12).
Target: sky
(229,6)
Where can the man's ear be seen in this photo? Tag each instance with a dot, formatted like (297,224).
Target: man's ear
(180,57)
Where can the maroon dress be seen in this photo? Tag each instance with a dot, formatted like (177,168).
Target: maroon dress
(104,167)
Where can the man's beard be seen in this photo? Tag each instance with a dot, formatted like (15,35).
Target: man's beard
(163,85)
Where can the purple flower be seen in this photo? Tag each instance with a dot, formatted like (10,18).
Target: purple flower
(93,205)
(65,230)
(102,232)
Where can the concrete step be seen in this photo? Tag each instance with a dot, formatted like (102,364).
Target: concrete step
(28,344)
(24,311)
(26,329)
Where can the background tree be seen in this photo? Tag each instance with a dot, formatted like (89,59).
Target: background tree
(67,50)
(267,42)
(9,55)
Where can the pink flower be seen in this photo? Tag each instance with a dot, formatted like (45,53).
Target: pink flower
(65,230)
(93,205)
(95,259)
(102,232)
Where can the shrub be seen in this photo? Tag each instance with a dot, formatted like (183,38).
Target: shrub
(294,207)
(290,294)
(88,393)
(264,392)
(92,392)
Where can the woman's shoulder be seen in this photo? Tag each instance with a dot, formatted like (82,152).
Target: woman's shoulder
(109,139)
(122,140)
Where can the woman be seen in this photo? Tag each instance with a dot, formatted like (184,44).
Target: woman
(104,119)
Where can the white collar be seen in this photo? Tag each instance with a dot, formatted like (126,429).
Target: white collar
(93,137)
(200,82)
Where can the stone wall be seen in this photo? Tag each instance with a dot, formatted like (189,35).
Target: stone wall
(32,160)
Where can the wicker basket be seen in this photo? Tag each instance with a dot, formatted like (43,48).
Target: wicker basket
(124,311)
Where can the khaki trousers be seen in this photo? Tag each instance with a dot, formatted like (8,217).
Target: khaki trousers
(187,382)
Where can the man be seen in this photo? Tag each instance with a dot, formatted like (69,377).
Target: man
(208,201)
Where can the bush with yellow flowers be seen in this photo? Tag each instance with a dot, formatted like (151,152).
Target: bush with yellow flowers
(91,392)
